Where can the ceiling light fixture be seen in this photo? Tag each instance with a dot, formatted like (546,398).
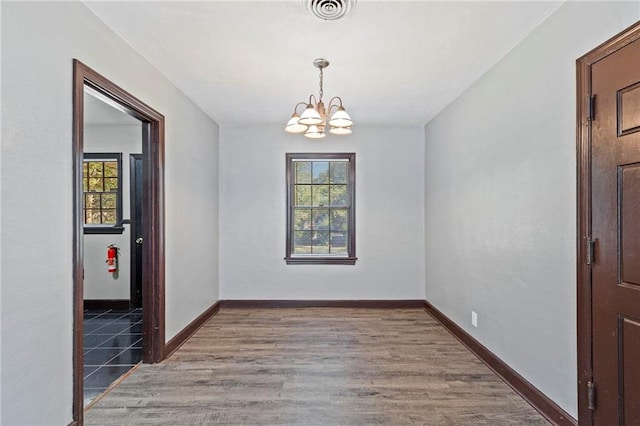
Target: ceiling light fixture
(313,120)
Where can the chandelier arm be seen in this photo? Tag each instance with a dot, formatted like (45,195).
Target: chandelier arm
(295,108)
(331,105)
(315,101)
(338,98)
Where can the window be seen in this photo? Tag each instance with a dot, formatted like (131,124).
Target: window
(321,209)
(102,193)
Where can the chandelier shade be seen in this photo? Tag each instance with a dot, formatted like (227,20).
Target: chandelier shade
(293,126)
(315,132)
(340,118)
(340,130)
(314,119)
(310,116)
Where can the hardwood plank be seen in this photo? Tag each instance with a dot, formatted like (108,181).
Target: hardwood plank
(316,366)
(180,338)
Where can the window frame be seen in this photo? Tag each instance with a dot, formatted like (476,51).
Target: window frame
(321,259)
(118,227)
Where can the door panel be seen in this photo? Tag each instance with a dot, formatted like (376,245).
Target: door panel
(615,173)
(629,185)
(629,110)
(630,370)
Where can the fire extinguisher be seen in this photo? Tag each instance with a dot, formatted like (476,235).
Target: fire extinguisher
(112,258)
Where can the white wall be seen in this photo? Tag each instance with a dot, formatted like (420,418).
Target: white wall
(500,200)
(39,41)
(98,282)
(389,216)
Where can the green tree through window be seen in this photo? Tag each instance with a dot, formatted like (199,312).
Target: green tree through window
(102,192)
(321,208)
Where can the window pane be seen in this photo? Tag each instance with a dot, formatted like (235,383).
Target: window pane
(95,168)
(95,184)
(109,216)
(303,172)
(339,172)
(111,169)
(339,195)
(320,195)
(302,219)
(303,195)
(320,242)
(93,216)
(338,243)
(110,184)
(339,219)
(320,172)
(109,201)
(92,201)
(320,199)
(302,242)
(101,186)
(321,219)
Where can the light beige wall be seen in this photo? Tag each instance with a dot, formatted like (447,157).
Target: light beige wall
(389,216)
(500,196)
(39,42)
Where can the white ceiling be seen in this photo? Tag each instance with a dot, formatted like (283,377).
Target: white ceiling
(392,62)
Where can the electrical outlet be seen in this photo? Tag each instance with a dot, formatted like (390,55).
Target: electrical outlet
(474,319)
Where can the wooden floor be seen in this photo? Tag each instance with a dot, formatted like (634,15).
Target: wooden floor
(316,366)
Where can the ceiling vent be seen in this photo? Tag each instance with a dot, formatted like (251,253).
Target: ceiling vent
(330,10)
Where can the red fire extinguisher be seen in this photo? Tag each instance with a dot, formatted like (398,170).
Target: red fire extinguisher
(112,258)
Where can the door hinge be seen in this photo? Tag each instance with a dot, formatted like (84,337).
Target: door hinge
(591,107)
(591,251)
(591,395)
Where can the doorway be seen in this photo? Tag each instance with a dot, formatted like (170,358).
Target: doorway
(112,317)
(609,232)
(149,174)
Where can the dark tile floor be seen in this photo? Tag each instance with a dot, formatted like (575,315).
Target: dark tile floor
(112,346)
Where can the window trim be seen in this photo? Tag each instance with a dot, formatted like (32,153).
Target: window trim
(350,258)
(118,227)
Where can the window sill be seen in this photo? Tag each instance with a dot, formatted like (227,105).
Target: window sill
(320,260)
(103,229)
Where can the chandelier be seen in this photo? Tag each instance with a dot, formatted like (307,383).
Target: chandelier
(313,120)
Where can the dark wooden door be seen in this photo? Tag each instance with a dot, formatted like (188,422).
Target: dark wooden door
(615,167)
(136,229)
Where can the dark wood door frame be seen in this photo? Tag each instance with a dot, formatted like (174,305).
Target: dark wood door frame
(153,215)
(584,284)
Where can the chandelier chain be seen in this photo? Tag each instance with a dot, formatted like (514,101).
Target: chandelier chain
(321,78)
